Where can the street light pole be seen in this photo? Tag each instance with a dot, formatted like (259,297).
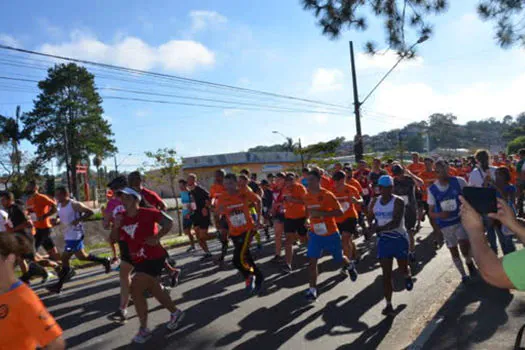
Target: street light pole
(358,143)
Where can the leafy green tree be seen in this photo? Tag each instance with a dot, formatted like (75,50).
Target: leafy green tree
(415,143)
(66,122)
(515,145)
(322,149)
(407,20)
(165,160)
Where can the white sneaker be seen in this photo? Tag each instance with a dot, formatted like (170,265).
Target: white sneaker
(142,336)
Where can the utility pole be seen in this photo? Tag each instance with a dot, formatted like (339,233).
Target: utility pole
(358,141)
(301,153)
(116,165)
(17,156)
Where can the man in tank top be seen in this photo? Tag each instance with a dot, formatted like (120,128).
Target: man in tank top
(387,220)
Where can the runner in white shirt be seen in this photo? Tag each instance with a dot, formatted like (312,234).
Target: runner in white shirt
(483,174)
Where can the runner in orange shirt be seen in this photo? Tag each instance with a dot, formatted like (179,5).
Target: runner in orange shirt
(326,181)
(294,217)
(348,197)
(216,191)
(322,208)
(416,167)
(235,205)
(40,209)
(25,324)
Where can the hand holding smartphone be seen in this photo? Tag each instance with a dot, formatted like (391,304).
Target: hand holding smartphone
(482,199)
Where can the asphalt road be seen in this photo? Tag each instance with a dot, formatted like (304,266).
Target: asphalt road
(347,314)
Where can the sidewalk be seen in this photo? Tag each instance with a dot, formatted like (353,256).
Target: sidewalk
(476,316)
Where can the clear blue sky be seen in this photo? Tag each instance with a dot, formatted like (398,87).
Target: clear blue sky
(271,45)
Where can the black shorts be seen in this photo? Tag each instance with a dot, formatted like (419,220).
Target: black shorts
(31,242)
(349,225)
(425,207)
(223,223)
(410,217)
(202,222)
(150,267)
(124,252)
(295,226)
(279,217)
(43,239)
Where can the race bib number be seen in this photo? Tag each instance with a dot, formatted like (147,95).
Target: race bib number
(449,205)
(405,199)
(320,228)
(365,192)
(238,220)
(345,206)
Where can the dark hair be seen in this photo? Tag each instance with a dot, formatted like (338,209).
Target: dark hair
(521,152)
(348,169)
(118,182)
(305,170)
(62,189)
(505,171)
(315,174)
(221,172)
(264,183)
(14,244)
(442,163)
(428,159)
(245,171)
(182,181)
(290,177)
(243,177)
(254,176)
(269,176)
(280,175)
(31,183)
(230,176)
(483,157)
(339,175)
(7,195)
(135,174)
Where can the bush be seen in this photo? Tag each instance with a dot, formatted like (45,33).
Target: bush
(515,145)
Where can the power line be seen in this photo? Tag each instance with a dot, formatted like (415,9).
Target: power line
(168,76)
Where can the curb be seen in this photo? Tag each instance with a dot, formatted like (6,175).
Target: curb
(435,322)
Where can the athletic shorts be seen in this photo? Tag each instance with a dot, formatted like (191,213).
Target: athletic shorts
(43,239)
(317,245)
(349,225)
(202,222)
(223,223)
(73,246)
(453,234)
(31,242)
(187,223)
(279,217)
(392,245)
(295,226)
(150,267)
(410,217)
(124,252)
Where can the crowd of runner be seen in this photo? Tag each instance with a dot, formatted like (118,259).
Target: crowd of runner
(322,210)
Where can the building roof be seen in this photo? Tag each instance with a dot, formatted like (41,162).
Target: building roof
(229,159)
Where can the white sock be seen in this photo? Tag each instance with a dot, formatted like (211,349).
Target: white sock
(459,266)
(313,291)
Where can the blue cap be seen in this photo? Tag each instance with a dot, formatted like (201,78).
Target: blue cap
(385,181)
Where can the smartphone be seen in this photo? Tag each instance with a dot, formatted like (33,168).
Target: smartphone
(482,199)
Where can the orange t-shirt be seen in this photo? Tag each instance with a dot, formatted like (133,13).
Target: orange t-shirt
(416,168)
(513,174)
(428,177)
(452,171)
(236,209)
(344,197)
(325,201)
(388,169)
(354,183)
(216,190)
(327,182)
(24,321)
(38,205)
(294,210)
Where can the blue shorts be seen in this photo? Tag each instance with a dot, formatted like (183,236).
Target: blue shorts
(254,217)
(187,223)
(319,244)
(74,246)
(392,245)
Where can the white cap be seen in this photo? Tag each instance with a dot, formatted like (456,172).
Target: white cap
(131,192)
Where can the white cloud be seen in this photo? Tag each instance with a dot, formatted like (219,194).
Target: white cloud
(175,55)
(384,60)
(201,20)
(232,112)
(476,101)
(141,113)
(9,40)
(327,79)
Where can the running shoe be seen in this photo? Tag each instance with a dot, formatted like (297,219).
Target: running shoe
(72,273)
(388,310)
(287,269)
(352,272)
(258,284)
(55,289)
(409,283)
(206,257)
(250,284)
(107,265)
(174,277)
(119,316)
(142,336)
(191,249)
(310,296)
(472,271)
(175,319)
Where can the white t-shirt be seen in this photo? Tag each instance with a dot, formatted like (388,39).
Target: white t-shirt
(431,200)
(477,176)
(3,220)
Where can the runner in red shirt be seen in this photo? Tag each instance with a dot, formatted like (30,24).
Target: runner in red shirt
(139,228)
